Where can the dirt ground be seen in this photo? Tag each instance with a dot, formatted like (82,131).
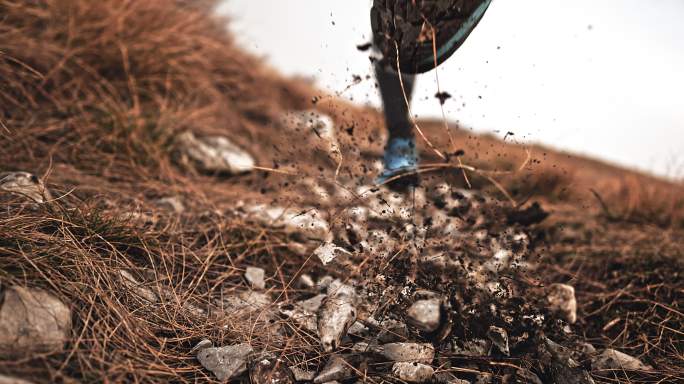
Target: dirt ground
(94,97)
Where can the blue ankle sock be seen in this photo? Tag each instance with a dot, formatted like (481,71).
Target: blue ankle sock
(400,156)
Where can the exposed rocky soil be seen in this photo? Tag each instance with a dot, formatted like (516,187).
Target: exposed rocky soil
(184,214)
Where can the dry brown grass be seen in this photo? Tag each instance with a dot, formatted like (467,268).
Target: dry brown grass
(119,336)
(92,95)
(617,193)
(104,86)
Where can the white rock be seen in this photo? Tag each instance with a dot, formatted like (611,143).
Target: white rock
(338,287)
(255,277)
(268,369)
(309,224)
(499,337)
(306,281)
(225,362)
(32,320)
(336,369)
(214,154)
(413,372)
(324,282)
(358,329)
(409,352)
(327,252)
(612,359)
(336,315)
(561,299)
(425,315)
(313,304)
(24,184)
(304,312)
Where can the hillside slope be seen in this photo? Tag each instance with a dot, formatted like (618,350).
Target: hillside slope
(148,250)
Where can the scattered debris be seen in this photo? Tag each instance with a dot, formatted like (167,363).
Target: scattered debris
(322,128)
(425,315)
(336,315)
(534,214)
(473,348)
(24,184)
(561,298)
(442,97)
(213,154)
(499,337)
(336,369)
(225,362)
(364,47)
(409,352)
(612,359)
(270,370)
(32,320)
(255,277)
(413,372)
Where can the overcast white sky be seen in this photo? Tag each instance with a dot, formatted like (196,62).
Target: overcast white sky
(604,78)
